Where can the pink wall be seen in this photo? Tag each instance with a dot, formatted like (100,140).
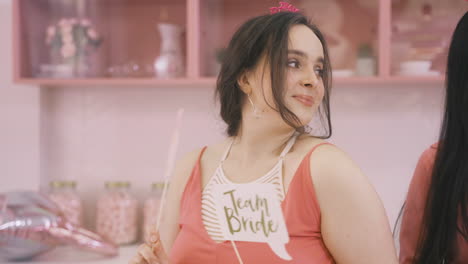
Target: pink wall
(93,134)
(98,134)
(19,119)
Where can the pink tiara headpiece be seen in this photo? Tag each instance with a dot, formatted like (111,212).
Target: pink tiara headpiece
(284,7)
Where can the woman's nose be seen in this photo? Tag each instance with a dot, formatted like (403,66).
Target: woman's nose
(310,81)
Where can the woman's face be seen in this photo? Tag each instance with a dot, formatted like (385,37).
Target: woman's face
(304,88)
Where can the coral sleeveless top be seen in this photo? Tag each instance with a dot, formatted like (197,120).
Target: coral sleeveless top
(414,212)
(300,209)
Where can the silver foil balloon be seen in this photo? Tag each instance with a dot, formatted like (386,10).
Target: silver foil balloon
(31,224)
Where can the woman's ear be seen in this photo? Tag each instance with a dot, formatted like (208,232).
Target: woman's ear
(244,84)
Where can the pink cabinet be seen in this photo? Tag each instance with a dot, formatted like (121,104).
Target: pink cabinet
(421,34)
(181,42)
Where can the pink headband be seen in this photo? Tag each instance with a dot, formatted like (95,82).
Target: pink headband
(284,6)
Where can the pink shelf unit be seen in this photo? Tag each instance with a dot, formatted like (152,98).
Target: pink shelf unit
(362,80)
(421,34)
(345,34)
(128,29)
(362,34)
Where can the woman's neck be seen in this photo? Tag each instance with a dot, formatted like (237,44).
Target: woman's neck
(260,139)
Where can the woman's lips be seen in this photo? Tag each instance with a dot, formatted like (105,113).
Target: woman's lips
(305,99)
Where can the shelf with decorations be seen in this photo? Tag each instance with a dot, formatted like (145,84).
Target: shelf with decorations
(95,42)
(421,34)
(353,43)
(181,42)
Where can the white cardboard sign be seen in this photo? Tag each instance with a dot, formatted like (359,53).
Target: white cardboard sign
(252,212)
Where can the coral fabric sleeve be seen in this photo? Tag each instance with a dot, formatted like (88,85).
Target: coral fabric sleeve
(414,208)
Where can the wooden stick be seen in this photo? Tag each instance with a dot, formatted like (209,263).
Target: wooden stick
(237,252)
(170,162)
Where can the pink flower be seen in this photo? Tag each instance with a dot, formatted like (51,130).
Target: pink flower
(92,34)
(68,51)
(73,21)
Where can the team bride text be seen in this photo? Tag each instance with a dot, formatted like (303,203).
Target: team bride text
(248,215)
(252,213)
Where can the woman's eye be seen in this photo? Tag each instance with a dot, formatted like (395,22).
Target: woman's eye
(293,63)
(319,72)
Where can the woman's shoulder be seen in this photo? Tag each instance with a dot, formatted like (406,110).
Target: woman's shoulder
(307,143)
(430,153)
(424,167)
(322,149)
(330,166)
(184,166)
(427,159)
(215,151)
(189,159)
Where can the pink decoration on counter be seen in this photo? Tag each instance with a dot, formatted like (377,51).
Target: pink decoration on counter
(31,224)
(284,7)
(117,214)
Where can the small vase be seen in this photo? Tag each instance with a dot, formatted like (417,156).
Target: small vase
(169,64)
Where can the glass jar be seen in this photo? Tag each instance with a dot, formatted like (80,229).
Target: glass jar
(116,218)
(151,209)
(64,194)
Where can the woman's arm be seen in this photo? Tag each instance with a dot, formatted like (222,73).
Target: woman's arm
(354,224)
(169,227)
(152,251)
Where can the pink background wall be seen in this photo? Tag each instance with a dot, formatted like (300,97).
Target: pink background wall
(94,134)
(19,119)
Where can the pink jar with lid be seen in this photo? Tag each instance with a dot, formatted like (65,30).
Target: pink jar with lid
(116,217)
(64,194)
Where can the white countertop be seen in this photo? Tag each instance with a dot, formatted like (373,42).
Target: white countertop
(70,255)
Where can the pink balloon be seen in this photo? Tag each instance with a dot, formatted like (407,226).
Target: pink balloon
(31,224)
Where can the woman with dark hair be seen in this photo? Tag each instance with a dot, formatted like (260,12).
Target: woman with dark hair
(434,227)
(276,77)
